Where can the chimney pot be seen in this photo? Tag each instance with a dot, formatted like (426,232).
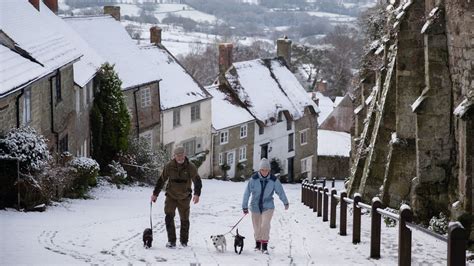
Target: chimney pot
(52,5)
(35,3)
(225,59)
(155,35)
(114,11)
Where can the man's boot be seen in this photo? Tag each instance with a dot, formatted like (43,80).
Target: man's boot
(258,245)
(265,247)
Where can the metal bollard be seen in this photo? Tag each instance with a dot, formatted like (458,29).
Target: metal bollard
(375,229)
(457,240)
(332,217)
(404,236)
(343,216)
(320,202)
(356,219)
(326,204)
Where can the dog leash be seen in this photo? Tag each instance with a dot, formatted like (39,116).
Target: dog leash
(230,232)
(151,222)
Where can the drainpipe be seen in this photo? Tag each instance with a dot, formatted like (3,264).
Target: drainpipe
(17,103)
(56,134)
(137,126)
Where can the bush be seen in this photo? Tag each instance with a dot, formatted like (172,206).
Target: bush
(117,173)
(199,158)
(439,224)
(86,172)
(27,145)
(389,222)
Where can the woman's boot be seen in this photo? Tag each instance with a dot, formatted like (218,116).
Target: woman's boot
(265,247)
(258,245)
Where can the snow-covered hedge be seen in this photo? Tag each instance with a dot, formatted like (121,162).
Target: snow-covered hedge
(27,145)
(87,172)
(439,224)
(117,173)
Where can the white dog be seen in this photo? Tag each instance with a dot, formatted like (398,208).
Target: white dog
(219,241)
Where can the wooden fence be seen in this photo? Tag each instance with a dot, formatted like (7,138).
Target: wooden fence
(317,198)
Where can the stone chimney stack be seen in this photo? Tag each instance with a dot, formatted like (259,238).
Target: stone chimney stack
(52,5)
(114,11)
(225,59)
(284,49)
(155,35)
(35,3)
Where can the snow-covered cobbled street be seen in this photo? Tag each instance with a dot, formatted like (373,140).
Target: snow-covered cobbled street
(108,230)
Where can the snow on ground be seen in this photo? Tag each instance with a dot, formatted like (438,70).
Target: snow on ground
(108,230)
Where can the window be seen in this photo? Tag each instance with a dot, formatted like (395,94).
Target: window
(261,130)
(224,137)
(242,153)
(291,138)
(288,124)
(190,147)
(169,149)
(90,89)
(243,131)
(148,136)
(195,112)
(27,107)
(304,165)
(63,144)
(78,100)
(304,137)
(176,118)
(145,97)
(221,158)
(84,97)
(57,84)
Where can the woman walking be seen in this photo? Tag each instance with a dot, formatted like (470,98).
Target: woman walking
(261,187)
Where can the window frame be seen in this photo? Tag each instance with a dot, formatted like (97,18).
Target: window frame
(291,142)
(243,129)
(221,158)
(304,137)
(224,137)
(195,112)
(177,117)
(145,97)
(243,153)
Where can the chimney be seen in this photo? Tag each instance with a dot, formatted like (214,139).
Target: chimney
(35,3)
(284,49)
(155,35)
(225,60)
(114,11)
(52,5)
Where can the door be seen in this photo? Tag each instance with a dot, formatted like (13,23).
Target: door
(231,164)
(290,169)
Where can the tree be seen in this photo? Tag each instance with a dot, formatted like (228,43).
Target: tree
(110,121)
(309,60)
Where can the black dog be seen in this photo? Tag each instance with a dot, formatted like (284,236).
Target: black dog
(147,238)
(238,242)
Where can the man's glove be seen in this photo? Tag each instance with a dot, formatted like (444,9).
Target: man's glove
(246,211)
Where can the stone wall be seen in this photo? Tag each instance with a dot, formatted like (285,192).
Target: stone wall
(308,121)
(337,167)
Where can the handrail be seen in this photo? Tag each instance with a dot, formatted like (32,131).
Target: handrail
(413,226)
(337,197)
(348,200)
(365,206)
(389,214)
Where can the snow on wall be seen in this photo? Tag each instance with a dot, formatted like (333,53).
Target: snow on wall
(333,143)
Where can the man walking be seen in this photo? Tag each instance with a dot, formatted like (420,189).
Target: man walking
(178,174)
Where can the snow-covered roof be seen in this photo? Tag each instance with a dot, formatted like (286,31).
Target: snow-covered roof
(266,87)
(338,100)
(333,143)
(111,41)
(177,86)
(35,38)
(86,68)
(225,113)
(325,104)
(15,70)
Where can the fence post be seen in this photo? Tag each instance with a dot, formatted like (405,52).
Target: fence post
(326,204)
(356,219)
(343,216)
(332,217)
(457,239)
(375,229)
(333,182)
(310,190)
(404,236)
(324,182)
(314,198)
(320,202)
